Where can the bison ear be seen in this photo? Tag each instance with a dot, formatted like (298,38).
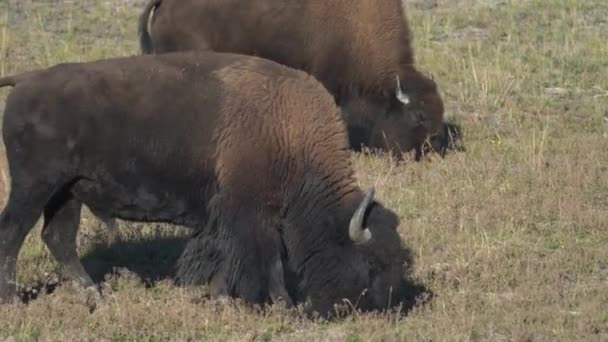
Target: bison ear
(401,96)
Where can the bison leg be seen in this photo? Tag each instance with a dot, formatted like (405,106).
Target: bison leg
(114,232)
(217,285)
(25,204)
(236,253)
(61,223)
(111,225)
(254,249)
(276,285)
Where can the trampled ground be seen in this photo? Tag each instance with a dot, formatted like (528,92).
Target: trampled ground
(511,235)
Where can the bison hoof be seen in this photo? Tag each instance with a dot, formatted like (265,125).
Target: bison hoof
(12,298)
(93,298)
(282,302)
(8,293)
(219,303)
(222,300)
(113,239)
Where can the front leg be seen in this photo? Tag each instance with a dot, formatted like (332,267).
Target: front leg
(237,253)
(277,288)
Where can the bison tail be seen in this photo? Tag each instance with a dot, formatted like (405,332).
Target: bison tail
(14,79)
(8,81)
(145,40)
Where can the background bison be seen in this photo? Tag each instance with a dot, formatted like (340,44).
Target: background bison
(250,152)
(360,50)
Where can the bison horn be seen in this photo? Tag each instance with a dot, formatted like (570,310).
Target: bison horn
(357,233)
(401,96)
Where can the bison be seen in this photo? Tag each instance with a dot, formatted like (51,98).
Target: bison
(360,50)
(251,154)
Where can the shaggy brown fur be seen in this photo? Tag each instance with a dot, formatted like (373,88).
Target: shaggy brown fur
(355,48)
(251,153)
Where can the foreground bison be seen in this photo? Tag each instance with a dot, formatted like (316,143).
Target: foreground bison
(251,153)
(360,50)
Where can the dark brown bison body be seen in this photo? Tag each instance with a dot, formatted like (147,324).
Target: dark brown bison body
(360,50)
(251,153)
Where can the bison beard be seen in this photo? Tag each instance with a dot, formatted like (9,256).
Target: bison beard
(250,153)
(355,48)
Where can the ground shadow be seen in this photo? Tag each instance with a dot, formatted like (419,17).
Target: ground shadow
(152,259)
(416,294)
(450,138)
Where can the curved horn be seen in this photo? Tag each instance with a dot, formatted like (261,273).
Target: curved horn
(401,96)
(357,233)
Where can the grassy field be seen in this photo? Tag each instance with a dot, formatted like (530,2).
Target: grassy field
(511,235)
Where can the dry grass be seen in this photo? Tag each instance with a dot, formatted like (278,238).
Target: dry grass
(511,235)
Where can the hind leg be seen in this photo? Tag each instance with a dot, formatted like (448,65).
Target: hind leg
(22,210)
(113,231)
(111,225)
(61,223)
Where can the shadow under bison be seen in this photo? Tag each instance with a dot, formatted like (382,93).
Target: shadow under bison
(151,259)
(154,259)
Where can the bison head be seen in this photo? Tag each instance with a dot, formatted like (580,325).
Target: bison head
(367,270)
(401,120)
(348,254)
